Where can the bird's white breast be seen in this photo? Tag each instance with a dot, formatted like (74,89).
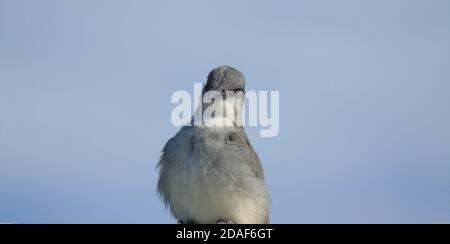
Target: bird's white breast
(194,194)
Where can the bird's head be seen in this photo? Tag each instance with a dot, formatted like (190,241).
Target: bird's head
(225,92)
(225,79)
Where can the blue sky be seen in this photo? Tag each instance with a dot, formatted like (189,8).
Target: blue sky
(85,91)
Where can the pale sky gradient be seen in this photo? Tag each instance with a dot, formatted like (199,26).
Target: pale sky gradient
(85,91)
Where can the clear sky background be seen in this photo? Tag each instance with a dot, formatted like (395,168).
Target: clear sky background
(85,91)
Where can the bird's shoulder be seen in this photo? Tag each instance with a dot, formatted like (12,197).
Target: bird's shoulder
(179,146)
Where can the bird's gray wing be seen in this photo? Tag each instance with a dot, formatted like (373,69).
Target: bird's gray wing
(174,153)
(239,139)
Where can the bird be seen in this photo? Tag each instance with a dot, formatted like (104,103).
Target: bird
(209,172)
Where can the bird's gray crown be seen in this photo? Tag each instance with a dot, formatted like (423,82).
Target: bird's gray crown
(225,78)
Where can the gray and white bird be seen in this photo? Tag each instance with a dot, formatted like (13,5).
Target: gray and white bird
(210,173)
